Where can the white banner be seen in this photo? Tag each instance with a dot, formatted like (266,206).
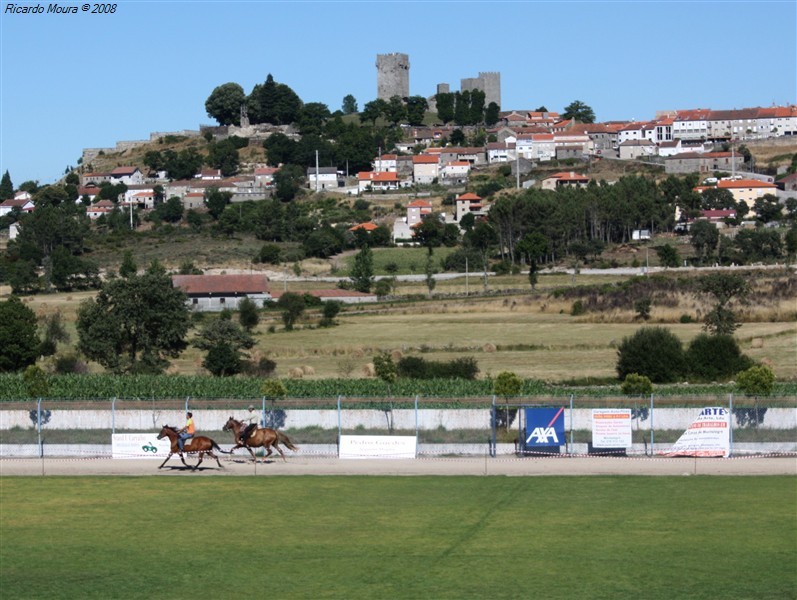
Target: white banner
(378,446)
(611,428)
(708,435)
(139,445)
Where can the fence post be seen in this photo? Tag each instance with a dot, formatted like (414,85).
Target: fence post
(187,398)
(340,430)
(651,426)
(568,451)
(416,425)
(493,450)
(39,426)
(113,415)
(263,413)
(730,424)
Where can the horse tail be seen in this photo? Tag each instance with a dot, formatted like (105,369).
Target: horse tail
(284,439)
(215,446)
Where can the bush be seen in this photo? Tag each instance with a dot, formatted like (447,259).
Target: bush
(636,385)
(654,352)
(577,308)
(415,367)
(686,319)
(69,363)
(265,367)
(756,381)
(715,358)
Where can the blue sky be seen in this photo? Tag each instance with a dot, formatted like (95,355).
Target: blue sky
(87,80)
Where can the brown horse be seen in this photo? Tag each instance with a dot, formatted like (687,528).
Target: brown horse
(199,445)
(261,437)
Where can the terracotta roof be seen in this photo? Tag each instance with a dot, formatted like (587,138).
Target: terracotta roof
(420,204)
(458,163)
(718,214)
(266,170)
(221,284)
(122,171)
(424,159)
(366,226)
(12,202)
(469,196)
(744,183)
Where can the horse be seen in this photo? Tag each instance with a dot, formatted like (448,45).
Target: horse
(261,437)
(200,445)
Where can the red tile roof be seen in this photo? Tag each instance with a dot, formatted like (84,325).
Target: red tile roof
(424,159)
(366,226)
(744,183)
(469,196)
(221,284)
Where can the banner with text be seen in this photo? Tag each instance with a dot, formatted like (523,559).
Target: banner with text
(708,435)
(139,445)
(611,428)
(378,446)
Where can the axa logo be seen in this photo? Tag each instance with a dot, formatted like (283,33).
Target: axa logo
(543,435)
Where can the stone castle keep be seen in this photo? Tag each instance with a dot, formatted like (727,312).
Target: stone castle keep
(392,75)
(393,79)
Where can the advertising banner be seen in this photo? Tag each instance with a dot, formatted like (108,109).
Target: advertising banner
(708,435)
(611,428)
(139,445)
(545,427)
(378,446)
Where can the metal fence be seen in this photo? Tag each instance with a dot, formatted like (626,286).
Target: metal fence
(442,426)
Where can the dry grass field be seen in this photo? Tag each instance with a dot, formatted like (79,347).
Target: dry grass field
(532,335)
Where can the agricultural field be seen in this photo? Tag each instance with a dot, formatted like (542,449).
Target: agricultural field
(399,537)
(532,334)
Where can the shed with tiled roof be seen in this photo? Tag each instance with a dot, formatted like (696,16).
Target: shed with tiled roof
(213,293)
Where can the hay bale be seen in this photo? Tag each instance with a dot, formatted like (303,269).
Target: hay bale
(757,343)
(296,373)
(488,348)
(767,362)
(308,370)
(396,356)
(368,370)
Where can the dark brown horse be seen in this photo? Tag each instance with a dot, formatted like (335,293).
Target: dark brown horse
(199,445)
(261,437)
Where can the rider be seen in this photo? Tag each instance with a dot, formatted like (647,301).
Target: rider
(186,432)
(252,418)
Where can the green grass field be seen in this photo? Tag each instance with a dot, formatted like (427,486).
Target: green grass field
(399,537)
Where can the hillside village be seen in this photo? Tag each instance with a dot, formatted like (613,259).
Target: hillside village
(453,173)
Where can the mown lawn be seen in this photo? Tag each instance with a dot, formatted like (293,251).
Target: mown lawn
(402,537)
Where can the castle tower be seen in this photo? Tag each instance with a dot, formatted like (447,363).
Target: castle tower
(489,82)
(392,75)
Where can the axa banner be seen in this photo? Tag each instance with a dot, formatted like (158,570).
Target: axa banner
(139,445)
(708,435)
(545,427)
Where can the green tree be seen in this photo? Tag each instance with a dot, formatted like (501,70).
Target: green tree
(128,268)
(248,316)
(723,287)
(636,385)
(362,272)
(532,247)
(292,306)
(134,324)
(224,342)
(445,106)
(225,102)
(373,110)
(273,102)
(704,238)
(216,201)
(6,187)
(668,256)
(223,155)
(579,111)
(53,331)
(329,312)
(791,242)
(756,381)
(349,104)
(312,117)
(287,182)
(36,383)
(492,114)
(654,352)
(395,111)
(416,109)
(507,385)
(19,342)
(280,149)
(715,357)
(457,137)
(385,368)
(482,238)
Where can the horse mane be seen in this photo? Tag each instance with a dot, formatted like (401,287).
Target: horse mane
(172,429)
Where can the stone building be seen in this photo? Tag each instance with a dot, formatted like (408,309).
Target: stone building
(489,82)
(392,75)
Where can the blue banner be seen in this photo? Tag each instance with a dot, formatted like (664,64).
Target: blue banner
(545,427)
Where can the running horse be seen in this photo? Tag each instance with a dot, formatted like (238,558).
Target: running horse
(261,437)
(199,445)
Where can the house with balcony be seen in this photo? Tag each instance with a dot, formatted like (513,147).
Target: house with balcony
(377,181)
(565,179)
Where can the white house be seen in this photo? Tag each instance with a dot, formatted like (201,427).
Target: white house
(500,152)
(539,147)
(24,205)
(386,163)
(322,178)
(371,180)
(425,168)
(455,171)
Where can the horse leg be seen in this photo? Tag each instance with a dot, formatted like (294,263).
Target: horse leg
(254,458)
(164,462)
(217,459)
(201,454)
(282,454)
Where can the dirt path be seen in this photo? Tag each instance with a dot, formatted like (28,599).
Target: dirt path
(298,465)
